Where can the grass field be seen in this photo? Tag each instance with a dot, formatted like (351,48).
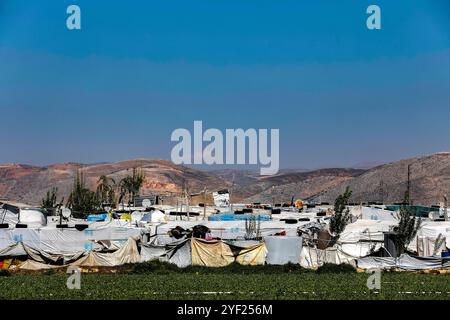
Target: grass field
(228,283)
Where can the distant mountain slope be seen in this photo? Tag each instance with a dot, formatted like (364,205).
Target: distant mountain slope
(430,180)
(29,184)
(300,185)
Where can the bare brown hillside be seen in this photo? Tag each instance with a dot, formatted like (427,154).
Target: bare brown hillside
(430,180)
(29,184)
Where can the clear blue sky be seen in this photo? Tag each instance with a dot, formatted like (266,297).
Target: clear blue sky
(137,70)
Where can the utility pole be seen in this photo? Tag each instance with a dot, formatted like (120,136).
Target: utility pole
(187,194)
(273,197)
(445,208)
(231,191)
(408,187)
(204,203)
(382,191)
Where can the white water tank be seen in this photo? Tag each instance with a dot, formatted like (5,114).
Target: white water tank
(32,217)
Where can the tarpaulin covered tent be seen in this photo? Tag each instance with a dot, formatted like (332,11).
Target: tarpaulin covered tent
(35,266)
(65,241)
(227,230)
(218,253)
(366,230)
(199,252)
(252,255)
(404,262)
(153,216)
(418,211)
(312,258)
(370,213)
(230,216)
(211,253)
(432,229)
(282,250)
(178,253)
(13,213)
(128,253)
(364,234)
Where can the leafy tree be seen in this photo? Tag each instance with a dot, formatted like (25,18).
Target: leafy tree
(131,185)
(81,200)
(49,203)
(341,216)
(406,229)
(105,191)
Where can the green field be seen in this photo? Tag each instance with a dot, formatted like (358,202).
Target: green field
(201,283)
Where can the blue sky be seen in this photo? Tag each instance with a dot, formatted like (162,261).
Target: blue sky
(340,94)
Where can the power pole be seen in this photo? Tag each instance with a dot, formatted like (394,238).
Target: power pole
(187,194)
(231,191)
(445,208)
(204,203)
(382,191)
(408,187)
(273,197)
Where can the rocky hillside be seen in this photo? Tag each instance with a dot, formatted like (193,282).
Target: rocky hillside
(300,185)
(29,184)
(250,187)
(430,180)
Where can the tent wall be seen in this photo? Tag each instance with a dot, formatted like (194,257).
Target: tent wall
(283,250)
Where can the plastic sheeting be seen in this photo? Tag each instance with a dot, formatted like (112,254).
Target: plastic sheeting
(217,253)
(252,256)
(366,230)
(127,254)
(178,253)
(214,253)
(432,229)
(13,250)
(427,246)
(312,258)
(65,241)
(370,213)
(200,252)
(154,216)
(404,262)
(152,252)
(227,230)
(35,266)
(43,256)
(238,217)
(221,199)
(283,250)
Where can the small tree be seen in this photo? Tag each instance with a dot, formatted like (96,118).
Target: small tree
(406,229)
(49,202)
(131,185)
(105,191)
(81,200)
(341,216)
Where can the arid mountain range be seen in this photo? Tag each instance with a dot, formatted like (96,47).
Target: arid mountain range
(430,180)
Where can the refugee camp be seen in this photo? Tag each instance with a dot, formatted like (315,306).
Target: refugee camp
(182,153)
(217,232)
